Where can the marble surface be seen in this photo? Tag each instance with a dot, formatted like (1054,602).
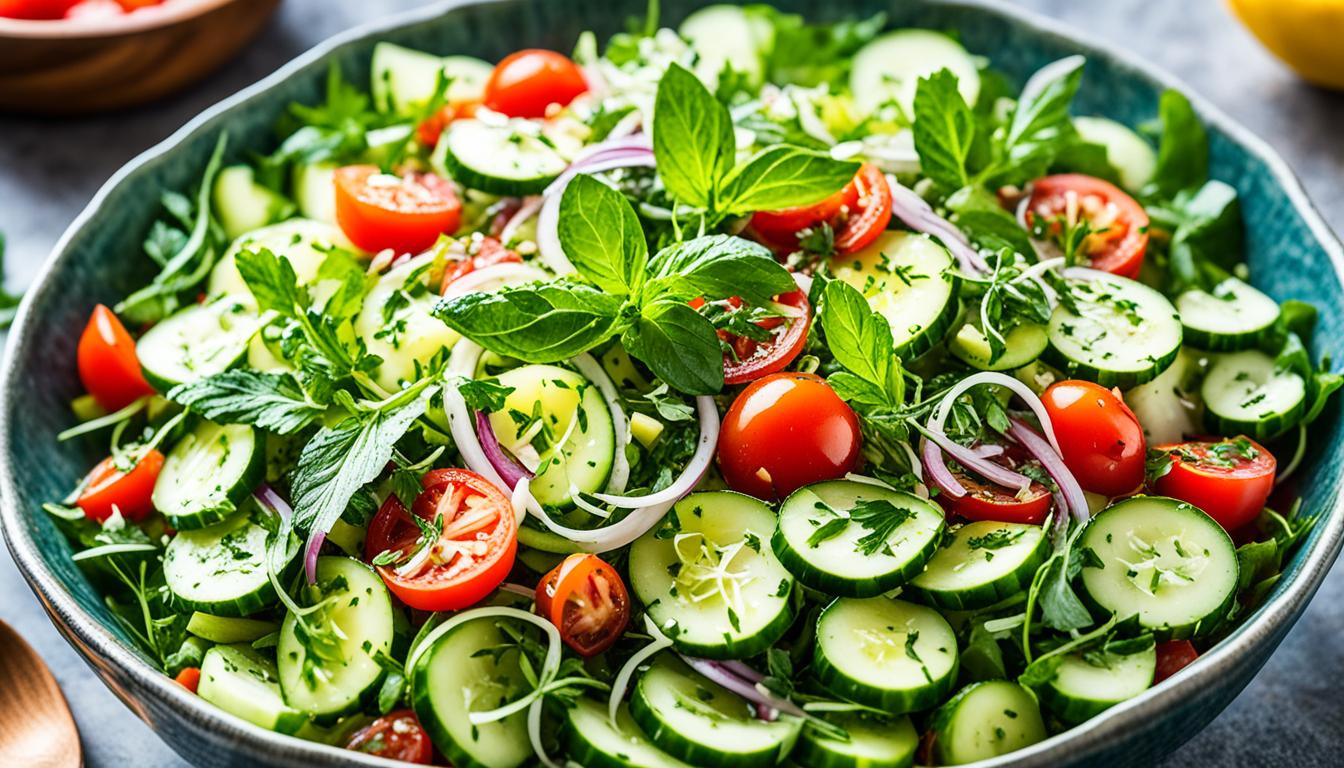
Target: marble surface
(1289,716)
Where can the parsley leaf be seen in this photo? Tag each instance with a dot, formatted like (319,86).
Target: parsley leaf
(484,395)
(267,400)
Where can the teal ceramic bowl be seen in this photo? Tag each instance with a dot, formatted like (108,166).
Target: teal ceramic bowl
(1292,255)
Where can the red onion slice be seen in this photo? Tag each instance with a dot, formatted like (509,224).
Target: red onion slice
(509,470)
(917,214)
(938,473)
(1073,500)
(718,673)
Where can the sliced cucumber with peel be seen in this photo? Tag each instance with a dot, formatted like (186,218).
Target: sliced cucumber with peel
(402,80)
(314,187)
(208,474)
(1087,684)
(891,655)
(221,570)
(304,243)
(242,682)
(985,720)
(825,549)
(727,35)
(1022,345)
(503,159)
(197,342)
(1231,316)
(1127,152)
(242,205)
(980,564)
(874,742)
(889,68)
(1247,393)
(595,741)
(702,724)
(1163,561)
(396,324)
(228,629)
(708,578)
(910,280)
(1123,335)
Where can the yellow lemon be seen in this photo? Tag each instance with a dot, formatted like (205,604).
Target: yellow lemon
(1308,35)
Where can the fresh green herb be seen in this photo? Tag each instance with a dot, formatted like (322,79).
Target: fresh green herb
(271,401)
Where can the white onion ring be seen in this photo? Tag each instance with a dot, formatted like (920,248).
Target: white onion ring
(493,277)
(548,239)
(695,468)
(531,205)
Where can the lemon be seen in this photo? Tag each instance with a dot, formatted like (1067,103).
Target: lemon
(1305,34)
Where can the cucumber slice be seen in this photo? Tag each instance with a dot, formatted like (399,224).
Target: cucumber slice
(873,742)
(1161,560)
(1126,333)
(910,280)
(825,549)
(221,570)
(360,613)
(1168,406)
(703,724)
(594,741)
(508,159)
(228,629)
(199,341)
(403,80)
(1023,344)
(453,679)
(985,720)
(888,654)
(707,576)
(727,35)
(980,564)
(242,682)
(304,243)
(1127,152)
(545,541)
(557,424)
(208,474)
(396,323)
(1230,317)
(1246,393)
(315,191)
(242,205)
(1085,685)
(889,68)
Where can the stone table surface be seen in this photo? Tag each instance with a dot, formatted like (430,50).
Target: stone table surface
(1290,715)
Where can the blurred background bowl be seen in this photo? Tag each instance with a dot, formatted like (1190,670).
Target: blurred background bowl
(97,63)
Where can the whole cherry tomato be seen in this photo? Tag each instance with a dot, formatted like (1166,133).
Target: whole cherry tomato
(527,83)
(1100,437)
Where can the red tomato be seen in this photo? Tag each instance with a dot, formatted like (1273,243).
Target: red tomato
(108,366)
(396,736)
(35,9)
(750,359)
(1230,479)
(107,487)
(858,214)
(990,501)
(527,83)
(431,128)
(489,251)
(406,213)
(189,678)
(587,601)
(1120,225)
(784,431)
(1172,657)
(472,555)
(1101,439)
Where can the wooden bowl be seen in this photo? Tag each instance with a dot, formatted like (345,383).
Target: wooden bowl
(83,65)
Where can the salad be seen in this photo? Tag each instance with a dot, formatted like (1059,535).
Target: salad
(749,393)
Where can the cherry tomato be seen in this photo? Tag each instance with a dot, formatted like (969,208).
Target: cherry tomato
(858,214)
(489,251)
(784,431)
(1101,439)
(406,213)
(989,501)
(780,228)
(189,678)
(108,366)
(1229,479)
(1119,224)
(472,555)
(106,487)
(527,83)
(587,601)
(747,359)
(431,128)
(1172,657)
(397,735)
(35,9)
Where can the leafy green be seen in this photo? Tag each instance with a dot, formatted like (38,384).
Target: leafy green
(944,130)
(541,324)
(813,54)
(718,266)
(860,341)
(1182,152)
(692,138)
(270,401)
(602,237)
(783,176)
(484,395)
(879,517)
(679,345)
(1039,128)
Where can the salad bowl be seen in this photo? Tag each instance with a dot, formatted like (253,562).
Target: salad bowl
(1292,254)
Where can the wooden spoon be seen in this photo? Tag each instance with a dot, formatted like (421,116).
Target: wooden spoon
(36,728)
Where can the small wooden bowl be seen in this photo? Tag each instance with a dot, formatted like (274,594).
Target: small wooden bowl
(83,65)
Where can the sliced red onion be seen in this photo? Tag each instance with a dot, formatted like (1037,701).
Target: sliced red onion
(917,214)
(992,377)
(315,542)
(494,277)
(518,589)
(987,450)
(1070,497)
(995,473)
(269,498)
(509,470)
(462,362)
(728,678)
(938,473)
(695,468)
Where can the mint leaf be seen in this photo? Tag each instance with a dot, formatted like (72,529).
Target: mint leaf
(271,280)
(1182,152)
(602,237)
(679,345)
(692,138)
(538,324)
(266,400)
(717,267)
(784,176)
(1040,126)
(944,129)
(860,340)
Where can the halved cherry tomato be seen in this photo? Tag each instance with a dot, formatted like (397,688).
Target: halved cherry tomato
(1101,438)
(487,252)
(1120,225)
(35,9)
(587,601)
(527,83)
(397,735)
(1172,657)
(189,678)
(989,501)
(108,366)
(1229,479)
(858,214)
(107,488)
(748,359)
(406,213)
(784,431)
(431,128)
(472,555)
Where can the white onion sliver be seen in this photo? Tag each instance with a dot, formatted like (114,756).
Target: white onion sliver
(493,277)
(620,464)
(622,680)
(606,538)
(462,362)
(695,468)
(548,238)
(992,377)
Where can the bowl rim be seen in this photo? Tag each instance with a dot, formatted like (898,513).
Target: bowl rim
(1105,730)
(81,28)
